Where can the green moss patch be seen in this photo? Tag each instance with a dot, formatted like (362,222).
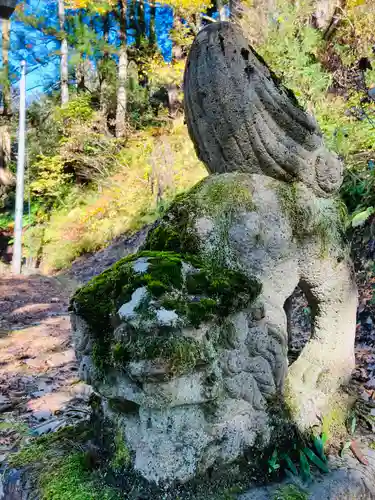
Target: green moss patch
(181,354)
(220,198)
(73,478)
(179,287)
(225,193)
(180,280)
(47,447)
(121,458)
(290,492)
(62,466)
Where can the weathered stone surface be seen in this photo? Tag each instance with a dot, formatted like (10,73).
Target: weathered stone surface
(285,236)
(162,397)
(209,395)
(187,340)
(241,118)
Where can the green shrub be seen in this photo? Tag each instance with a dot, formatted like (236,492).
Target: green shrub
(78,109)
(49,178)
(89,219)
(292,48)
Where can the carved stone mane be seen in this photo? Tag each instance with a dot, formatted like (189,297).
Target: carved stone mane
(241,118)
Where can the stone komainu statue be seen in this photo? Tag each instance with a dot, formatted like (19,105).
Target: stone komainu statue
(187,340)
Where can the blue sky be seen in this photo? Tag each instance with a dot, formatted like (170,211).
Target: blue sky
(41,52)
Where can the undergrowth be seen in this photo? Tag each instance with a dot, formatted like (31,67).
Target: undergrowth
(299,55)
(148,172)
(300,458)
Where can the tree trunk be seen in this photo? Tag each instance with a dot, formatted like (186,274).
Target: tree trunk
(141,23)
(122,74)
(7,104)
(324,11)
(64,69)
(103,78)
(152,38)
(80,76)
(198,22)
(6,177)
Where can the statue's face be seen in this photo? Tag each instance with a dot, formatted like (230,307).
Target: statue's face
(216,410)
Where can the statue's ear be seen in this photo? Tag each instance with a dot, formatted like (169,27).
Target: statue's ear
(329,171)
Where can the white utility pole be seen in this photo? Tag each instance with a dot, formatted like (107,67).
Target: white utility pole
(17,248)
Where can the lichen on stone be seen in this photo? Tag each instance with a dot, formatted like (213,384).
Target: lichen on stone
(289,400)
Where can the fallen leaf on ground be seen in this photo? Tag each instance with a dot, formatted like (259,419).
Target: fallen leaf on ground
(358,453)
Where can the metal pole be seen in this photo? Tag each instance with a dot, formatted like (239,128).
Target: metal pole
(17,249)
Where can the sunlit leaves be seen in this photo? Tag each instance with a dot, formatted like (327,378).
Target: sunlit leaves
(350,4)
(188,5)
(98,6)
(358,26)
(162,73)
(51,177)
(103,6)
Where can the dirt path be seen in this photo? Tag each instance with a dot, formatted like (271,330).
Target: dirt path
(39,386)
(38,372)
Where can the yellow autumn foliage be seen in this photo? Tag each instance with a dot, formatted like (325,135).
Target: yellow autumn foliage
(127,199)
(99,6)
(358,30)
(189,6)
(103,6)
(350,4)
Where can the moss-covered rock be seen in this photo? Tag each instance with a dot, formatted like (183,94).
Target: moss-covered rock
(218,199)
(182,355)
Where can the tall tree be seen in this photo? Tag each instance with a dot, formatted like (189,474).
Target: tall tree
(103,67)
(141,22)
(152,36)
(5,144)
(64,63)
(122,74)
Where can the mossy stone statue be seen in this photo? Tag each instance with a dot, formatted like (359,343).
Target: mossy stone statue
(187,340)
